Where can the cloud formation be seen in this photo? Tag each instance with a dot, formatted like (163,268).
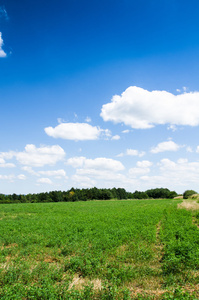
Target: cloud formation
(2,53)
(98,171)
(142,109)
(38,157)
(165,146)
(132,152)
(35,157)
(100,163)
(76,131)
(55,173)
(44,180)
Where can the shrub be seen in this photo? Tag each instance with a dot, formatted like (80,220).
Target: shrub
(188,193)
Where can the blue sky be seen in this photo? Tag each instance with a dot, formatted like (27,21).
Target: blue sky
(99,93)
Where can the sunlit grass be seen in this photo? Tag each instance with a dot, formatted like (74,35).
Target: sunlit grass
(97,250)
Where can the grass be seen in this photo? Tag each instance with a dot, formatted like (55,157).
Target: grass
(146,249)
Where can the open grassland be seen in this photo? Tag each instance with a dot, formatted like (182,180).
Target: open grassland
(146,249)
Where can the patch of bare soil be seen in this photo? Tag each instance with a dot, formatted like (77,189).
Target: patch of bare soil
(9,246)
(80,282)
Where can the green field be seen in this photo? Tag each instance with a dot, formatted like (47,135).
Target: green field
(130,249)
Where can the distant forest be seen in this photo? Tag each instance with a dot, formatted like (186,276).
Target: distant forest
(73,195)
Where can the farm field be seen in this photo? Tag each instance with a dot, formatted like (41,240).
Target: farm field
(124,249)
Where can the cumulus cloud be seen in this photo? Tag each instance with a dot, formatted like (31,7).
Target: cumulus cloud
(83,181)
(100,163)
(144,164)
(55,173)
(165,146)
(44,180)
(134,172)
(38,157)
(126,131)
(76,131)
(7,165)
(29,170)
(2,53)
(142,168)
(197,149)
(132,152)
(142,109)
(88,119)
(7,177)
(189,149)
(97,170)
(115,137)
(3,164)
(21,177)
(182,172)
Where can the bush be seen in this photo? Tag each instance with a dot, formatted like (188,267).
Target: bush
(188,193)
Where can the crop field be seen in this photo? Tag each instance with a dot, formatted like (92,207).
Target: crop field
(128,249)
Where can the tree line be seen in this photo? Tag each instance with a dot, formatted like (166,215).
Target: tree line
(74,194)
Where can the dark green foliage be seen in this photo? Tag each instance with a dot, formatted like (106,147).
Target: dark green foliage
(140,195)
(188,193)
(74,195)
(161,193)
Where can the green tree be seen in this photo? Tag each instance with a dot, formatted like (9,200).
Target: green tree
(188,193)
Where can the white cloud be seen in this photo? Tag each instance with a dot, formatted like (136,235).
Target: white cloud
(126,131)
(197,149)
(21,177)
(144,164)
(135,172)
(182,172)
(44,180)
(7,177)
(76,162)
(3,164)
(88,119)
(7,165)
(7,155)
(134,152)
(38,157)
(84,181)
(76,131)
(172,127)
(165,146)
(142,168)
(98,170)
(29,170)
(115,137)
(103,175)
(100,163)
(142,109)
(59,173)
(2,53)
(189,149)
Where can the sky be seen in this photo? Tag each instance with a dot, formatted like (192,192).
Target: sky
(99,93)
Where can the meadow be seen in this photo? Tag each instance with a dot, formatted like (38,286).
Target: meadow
(123,249)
